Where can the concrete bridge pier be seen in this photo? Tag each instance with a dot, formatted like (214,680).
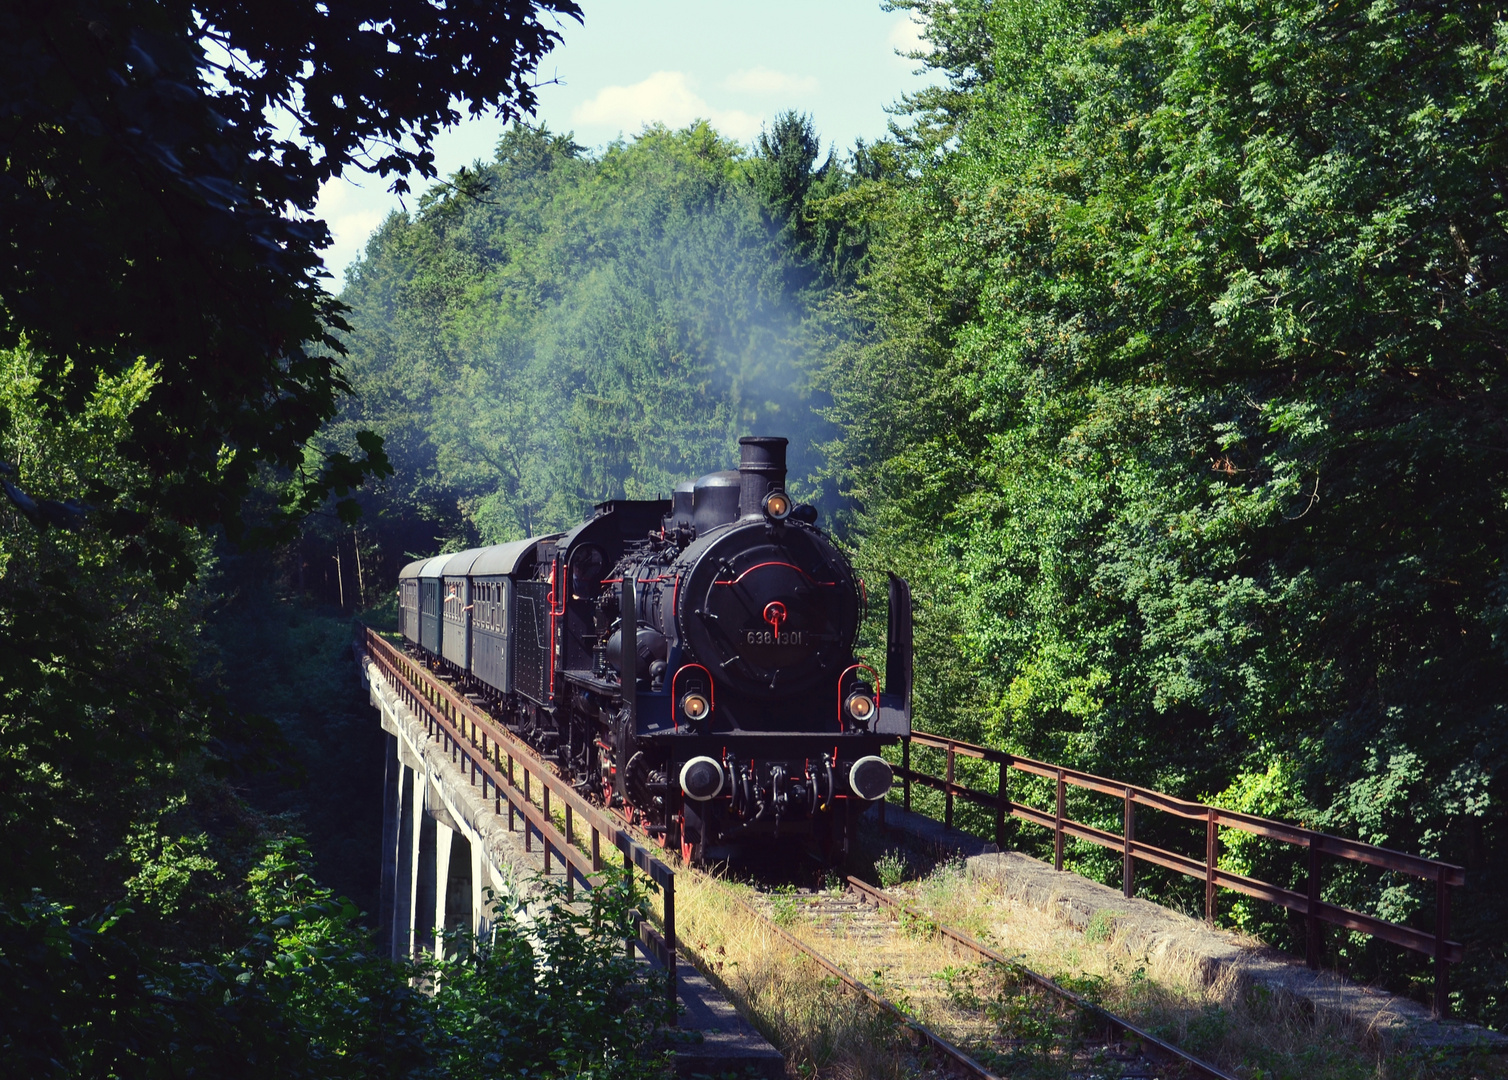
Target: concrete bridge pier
(433,875)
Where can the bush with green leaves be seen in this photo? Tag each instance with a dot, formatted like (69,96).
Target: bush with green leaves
(306,994)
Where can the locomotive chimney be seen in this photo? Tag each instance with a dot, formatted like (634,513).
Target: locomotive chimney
(681,504)
(761,468)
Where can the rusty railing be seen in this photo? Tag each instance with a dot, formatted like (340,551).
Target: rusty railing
(510,771)
(1307,903)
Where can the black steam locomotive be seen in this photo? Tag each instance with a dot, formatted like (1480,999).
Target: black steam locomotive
(690,662)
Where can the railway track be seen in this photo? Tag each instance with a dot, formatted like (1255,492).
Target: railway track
(929,977)
(977,1010)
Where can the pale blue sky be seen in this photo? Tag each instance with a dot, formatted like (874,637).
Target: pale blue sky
(639,61)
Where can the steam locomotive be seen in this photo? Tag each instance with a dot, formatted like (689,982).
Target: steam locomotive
(689,661)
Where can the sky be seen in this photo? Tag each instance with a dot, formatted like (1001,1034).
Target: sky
(636,62)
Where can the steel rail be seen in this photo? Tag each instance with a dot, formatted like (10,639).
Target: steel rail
(879,897)
(924,1033)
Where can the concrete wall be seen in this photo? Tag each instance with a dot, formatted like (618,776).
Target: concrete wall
(443,845)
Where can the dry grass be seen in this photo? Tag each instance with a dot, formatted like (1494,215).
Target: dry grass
(826,1031)
(1246,1030)
(821,1028)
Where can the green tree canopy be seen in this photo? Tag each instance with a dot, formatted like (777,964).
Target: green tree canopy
(570,328)
(154,207)
(1180,383)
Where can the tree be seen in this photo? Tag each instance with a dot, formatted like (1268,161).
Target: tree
(167,352)
(1205,308)
(162,161)
(591,327)
(786,163)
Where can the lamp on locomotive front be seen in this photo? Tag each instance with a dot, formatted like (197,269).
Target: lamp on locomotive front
(860,706)
(778,505)
(695,706)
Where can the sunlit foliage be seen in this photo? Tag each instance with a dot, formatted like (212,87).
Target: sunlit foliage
(1177,381)
(570,328)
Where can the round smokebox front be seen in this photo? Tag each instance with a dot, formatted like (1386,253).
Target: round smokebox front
(770,614)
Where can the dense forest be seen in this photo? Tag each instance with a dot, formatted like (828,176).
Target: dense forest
(167,352)
(564,328)
(1160,345)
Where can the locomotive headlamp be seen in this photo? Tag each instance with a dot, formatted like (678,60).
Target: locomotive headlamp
(695,706)
(860,706)
(778,505)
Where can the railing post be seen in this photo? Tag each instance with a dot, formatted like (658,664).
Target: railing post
(512,810)
(948,798)
(1211,858)
(1442,932)
(1002,806)
(570,839)
(596,850)
(669,893)
(628,891)
(906,774)
(1057,824)
(1128,834)
(1312,925)
(545,792)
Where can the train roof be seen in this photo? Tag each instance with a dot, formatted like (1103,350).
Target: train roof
(459,565)
(435,567)
(505,558)
(412,569)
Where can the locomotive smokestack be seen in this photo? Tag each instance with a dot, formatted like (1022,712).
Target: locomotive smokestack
(761,468)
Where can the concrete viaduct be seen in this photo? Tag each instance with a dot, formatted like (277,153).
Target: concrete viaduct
(467,810)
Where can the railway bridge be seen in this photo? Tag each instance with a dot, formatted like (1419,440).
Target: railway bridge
(468,808)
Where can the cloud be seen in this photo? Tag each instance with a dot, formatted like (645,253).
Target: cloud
(666,97)
(906,37)
(352,213)
(763,80)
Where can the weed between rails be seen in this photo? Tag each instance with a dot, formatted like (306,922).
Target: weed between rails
(821,1028)
(785,906)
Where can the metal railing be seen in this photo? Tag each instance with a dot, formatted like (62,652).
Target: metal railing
(1307,903)
(511,771)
